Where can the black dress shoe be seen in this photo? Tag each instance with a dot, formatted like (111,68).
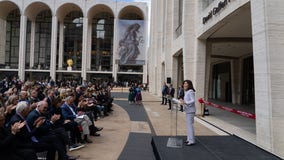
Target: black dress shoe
(88,140)
(95,134)
(99,128)
(169,108)
(190,144)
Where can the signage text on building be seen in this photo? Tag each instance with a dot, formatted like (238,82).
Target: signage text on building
(215,10)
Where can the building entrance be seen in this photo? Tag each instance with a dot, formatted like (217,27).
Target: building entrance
(222,82)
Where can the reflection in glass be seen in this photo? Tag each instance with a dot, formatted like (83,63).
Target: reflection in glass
(102,42)
(42,41)
(11,58)
(73,28)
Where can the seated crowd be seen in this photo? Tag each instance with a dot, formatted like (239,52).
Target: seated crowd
(49,117)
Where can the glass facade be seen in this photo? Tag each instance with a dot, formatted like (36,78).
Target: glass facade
(45,59)
(102,42)
(42,42)
(73,30)
(12,40)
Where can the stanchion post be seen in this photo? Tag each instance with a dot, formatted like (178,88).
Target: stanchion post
(202,109)
(174,141)
(200,100)
(176,106)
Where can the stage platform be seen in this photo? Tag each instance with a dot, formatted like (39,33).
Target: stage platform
(210,148)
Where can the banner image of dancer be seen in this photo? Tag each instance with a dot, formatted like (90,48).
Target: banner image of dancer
(131,43)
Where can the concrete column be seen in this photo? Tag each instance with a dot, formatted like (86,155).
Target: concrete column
(32,45)
(2,40)
(84,48)
(22,47)
(160,53)
(145,71)
(89,47)
(233,81)
(237,81)
(175,73)
(240,80)
(268,35)
(199,70)
(151,54)
(53,47)
(194,50)
(189,39)
(168,38)
(115,46)
(61,41)
(208,72)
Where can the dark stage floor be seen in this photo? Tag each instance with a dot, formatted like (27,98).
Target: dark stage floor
(210,148)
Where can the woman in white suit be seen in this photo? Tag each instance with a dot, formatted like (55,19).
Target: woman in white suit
(189,107)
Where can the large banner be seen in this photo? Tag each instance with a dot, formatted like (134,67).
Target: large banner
(131,42)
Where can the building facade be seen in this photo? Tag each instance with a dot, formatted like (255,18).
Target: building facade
(231,50)
(39,37)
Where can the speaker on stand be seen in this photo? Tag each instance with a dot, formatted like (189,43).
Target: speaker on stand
(169,80)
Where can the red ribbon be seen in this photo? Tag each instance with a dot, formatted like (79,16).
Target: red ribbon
(242,113)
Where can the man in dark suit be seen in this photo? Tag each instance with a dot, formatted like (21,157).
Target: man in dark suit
(69,112)
(7,142)
(49,98)
(46,132)
(180,95)
(26,136)
(164,94)
(170,95)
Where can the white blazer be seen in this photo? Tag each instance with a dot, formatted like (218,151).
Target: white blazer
(189,100)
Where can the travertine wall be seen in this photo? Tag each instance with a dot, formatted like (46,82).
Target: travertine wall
(268,35)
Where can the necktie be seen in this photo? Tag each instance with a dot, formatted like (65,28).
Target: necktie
(33,137)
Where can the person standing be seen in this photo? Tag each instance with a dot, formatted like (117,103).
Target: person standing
(189,106)
(131,95)
(170,95)
(164,94)
(180,95)
(138,95)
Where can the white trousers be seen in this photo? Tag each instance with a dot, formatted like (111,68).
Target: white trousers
(190,127)
(84,122)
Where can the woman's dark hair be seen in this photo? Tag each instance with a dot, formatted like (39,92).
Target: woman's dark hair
(190,85)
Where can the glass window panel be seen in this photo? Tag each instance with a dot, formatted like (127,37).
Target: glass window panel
(73,29)
(102,37)
(12,39)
